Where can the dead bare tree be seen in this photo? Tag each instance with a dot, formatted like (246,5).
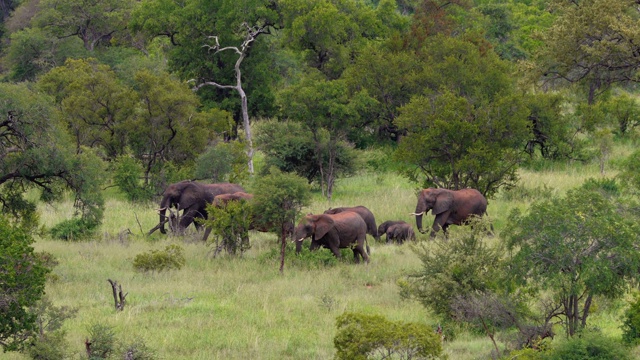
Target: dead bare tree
(252,34)
(118,297)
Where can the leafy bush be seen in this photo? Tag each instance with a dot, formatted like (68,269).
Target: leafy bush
(127,174)
(306,259)
(101,342)
(224,161)
(72,229)
(631,322)
(589,345)
(231,224)
(172,257)
(458,267)
(52,346)
(137,350)
(22,284)
(363,336)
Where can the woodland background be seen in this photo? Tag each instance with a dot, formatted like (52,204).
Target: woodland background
(534,103)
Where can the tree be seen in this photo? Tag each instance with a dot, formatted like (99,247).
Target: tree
(593,43)
(574,248)
(323,106)
(252,34)
(92,101)
(278,201)
(167,127)
(469,127)
(35,152)
(194,28)
(94,22)
(22,281)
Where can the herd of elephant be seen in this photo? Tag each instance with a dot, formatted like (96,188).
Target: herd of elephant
(336,228)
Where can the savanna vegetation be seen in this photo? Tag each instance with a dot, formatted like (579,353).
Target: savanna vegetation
(311,104)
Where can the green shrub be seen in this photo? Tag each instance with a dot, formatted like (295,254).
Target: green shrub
(589,345)
(172,257)
(230,226)
(101,342)
(137,350)
(631,322)
(363,336)
(52,346)
(127,174)
(72,229)
(306,259)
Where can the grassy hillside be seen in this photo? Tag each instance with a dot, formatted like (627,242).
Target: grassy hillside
(242,308)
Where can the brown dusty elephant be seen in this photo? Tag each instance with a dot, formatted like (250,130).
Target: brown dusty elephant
(365,214)
(334,231)
(222,200)
(192,197)
(397,230)
(451,207)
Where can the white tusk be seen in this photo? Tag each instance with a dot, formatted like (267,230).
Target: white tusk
(300,239)
(417,214)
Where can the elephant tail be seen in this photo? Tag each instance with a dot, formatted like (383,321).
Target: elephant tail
(366,242)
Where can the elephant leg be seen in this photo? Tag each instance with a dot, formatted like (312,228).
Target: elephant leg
(187,219)
(207,231)
(298,247)
(439,223)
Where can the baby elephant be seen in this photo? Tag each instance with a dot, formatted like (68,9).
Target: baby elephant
(397,230)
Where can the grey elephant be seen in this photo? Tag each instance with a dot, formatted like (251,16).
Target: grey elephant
(334,231)
(451,207)
(366,215)
(398,231)
(192,197)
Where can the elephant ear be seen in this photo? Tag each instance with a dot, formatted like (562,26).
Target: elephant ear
(444,202)
(323,225)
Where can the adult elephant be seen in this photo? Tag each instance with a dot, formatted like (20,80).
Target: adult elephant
(334,231)
(366,215)
(192,197)
(397,230)
(451,207)
(222,200)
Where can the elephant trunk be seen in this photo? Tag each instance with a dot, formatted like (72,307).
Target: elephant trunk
(421,209)
(162,211)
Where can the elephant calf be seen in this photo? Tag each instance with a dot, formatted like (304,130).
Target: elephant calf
(399,231)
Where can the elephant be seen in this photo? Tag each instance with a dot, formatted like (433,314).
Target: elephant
(192,197)
(397,230)
(222,200)
(334,231)
(365,214)
(451,207)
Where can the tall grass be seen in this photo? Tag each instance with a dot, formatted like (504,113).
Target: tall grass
(242,307)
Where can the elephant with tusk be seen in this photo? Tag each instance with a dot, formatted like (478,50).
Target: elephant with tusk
(450,207)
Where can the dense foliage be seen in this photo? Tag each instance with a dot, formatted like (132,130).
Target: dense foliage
(22,283)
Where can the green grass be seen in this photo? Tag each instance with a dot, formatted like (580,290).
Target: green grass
(243,308)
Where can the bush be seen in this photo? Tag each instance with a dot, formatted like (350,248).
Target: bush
(72,230)
(127,174)
(172,257)
(137,350)
(631,322)
(363,336)
(101,342)
(589,345)
(224,161)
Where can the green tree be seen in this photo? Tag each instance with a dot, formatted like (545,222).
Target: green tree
(95,22)
(167,126)
(593,43)
(574,248)
(22,281)
(222,161)
(278,200)
(323,106)
(363,337)
(92,101)
(469,127)
(35,152)
(630,172)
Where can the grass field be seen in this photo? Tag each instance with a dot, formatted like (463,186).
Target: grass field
(243,308)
